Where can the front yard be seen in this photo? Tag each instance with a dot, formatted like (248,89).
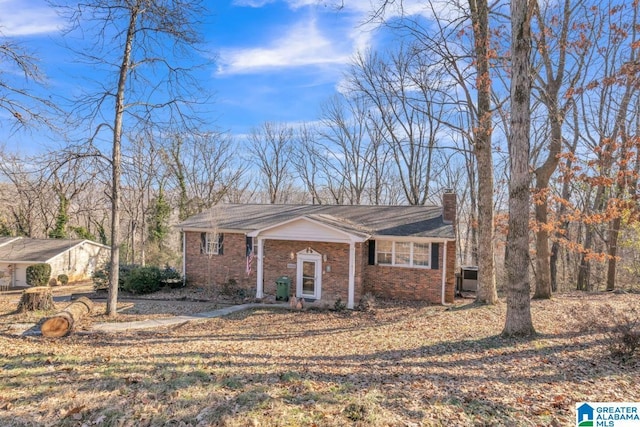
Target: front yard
(399,365)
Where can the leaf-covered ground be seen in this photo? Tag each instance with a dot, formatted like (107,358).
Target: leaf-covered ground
(399,365)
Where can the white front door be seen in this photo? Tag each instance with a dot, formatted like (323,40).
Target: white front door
(309,276)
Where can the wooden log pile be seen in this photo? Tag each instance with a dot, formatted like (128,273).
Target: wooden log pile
(62,323)
(36,298)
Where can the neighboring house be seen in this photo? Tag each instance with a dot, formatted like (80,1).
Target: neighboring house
(329,252)
(76,258)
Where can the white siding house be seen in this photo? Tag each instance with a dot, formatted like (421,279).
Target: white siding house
(78,259)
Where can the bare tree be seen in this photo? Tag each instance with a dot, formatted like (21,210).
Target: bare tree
(27,197)
(518,320)
(203,169)
(561,59)
(407,110)
(270,148)
(346,140)
(144,82)
(18,95)
(306,160)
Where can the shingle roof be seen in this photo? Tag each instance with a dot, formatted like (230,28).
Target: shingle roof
(34,250)
(399,221)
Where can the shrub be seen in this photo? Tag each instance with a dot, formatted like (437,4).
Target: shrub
(102,276)
(339,305)
(623,332)
(38,274)
(63,279)
(143,280)
(170,276)
(620,327)
(125,270)
(367,302)
(53,282)
(100,279)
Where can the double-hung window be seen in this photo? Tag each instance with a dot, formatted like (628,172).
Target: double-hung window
(211,243)
(403,254)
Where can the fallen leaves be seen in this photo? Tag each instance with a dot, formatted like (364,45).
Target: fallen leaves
(402,365)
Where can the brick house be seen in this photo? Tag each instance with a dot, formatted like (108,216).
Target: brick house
(329,252)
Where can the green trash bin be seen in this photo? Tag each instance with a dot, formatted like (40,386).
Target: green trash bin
(283,284)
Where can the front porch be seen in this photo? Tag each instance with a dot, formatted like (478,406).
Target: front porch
(324,263)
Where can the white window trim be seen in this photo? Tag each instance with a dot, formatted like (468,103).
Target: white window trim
(212,244)
(411,264)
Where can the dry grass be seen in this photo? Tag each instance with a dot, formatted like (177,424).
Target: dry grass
(398,366)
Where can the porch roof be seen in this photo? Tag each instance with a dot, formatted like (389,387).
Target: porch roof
(382,221)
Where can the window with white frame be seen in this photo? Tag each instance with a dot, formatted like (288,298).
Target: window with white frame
(403,254)
(384,252)
(211,243)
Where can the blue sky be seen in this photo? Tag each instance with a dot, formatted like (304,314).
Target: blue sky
(275,60)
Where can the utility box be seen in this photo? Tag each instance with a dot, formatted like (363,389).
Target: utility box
(469,278)
(283,288)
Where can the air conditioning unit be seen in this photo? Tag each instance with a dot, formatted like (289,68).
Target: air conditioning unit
(469,278)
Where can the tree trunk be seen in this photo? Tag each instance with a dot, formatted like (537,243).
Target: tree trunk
(486,293)
(37,298)
(518,321)
(114,275)
(62,323)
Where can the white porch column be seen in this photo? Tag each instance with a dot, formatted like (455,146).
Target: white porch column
(259,268)
(352,275)
(184,258)
(444,273)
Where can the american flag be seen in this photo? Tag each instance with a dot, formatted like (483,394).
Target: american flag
(249,261)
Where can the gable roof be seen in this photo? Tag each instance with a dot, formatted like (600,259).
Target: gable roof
(372,221)
(25,250)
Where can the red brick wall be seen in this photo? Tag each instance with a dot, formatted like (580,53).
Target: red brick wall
(383,281)
(214,270)
(419,284)
(335,283)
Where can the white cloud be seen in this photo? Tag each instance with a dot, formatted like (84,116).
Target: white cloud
(25,18)
(302,45)
(251,3)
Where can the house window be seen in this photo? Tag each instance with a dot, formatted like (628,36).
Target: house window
(421,254)
(403,254)
(211,243)
(384,252)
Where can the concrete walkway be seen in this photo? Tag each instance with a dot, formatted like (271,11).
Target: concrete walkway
(176,320)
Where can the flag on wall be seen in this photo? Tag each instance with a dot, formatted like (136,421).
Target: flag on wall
(249,260)
(249,245)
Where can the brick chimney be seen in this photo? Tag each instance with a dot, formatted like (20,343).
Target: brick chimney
(449,206)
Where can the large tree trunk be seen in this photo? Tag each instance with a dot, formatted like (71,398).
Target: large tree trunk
(518,320)
(62,323)
(486,293)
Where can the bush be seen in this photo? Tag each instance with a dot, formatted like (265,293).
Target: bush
(367,302)
(620,327)
(101,276)
(143,280)
(63,279)
(38,274)
(171,277)
(100,279)
(623,332)
(339,305)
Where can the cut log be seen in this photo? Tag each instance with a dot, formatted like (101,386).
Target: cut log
(61,324)
(37,298)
